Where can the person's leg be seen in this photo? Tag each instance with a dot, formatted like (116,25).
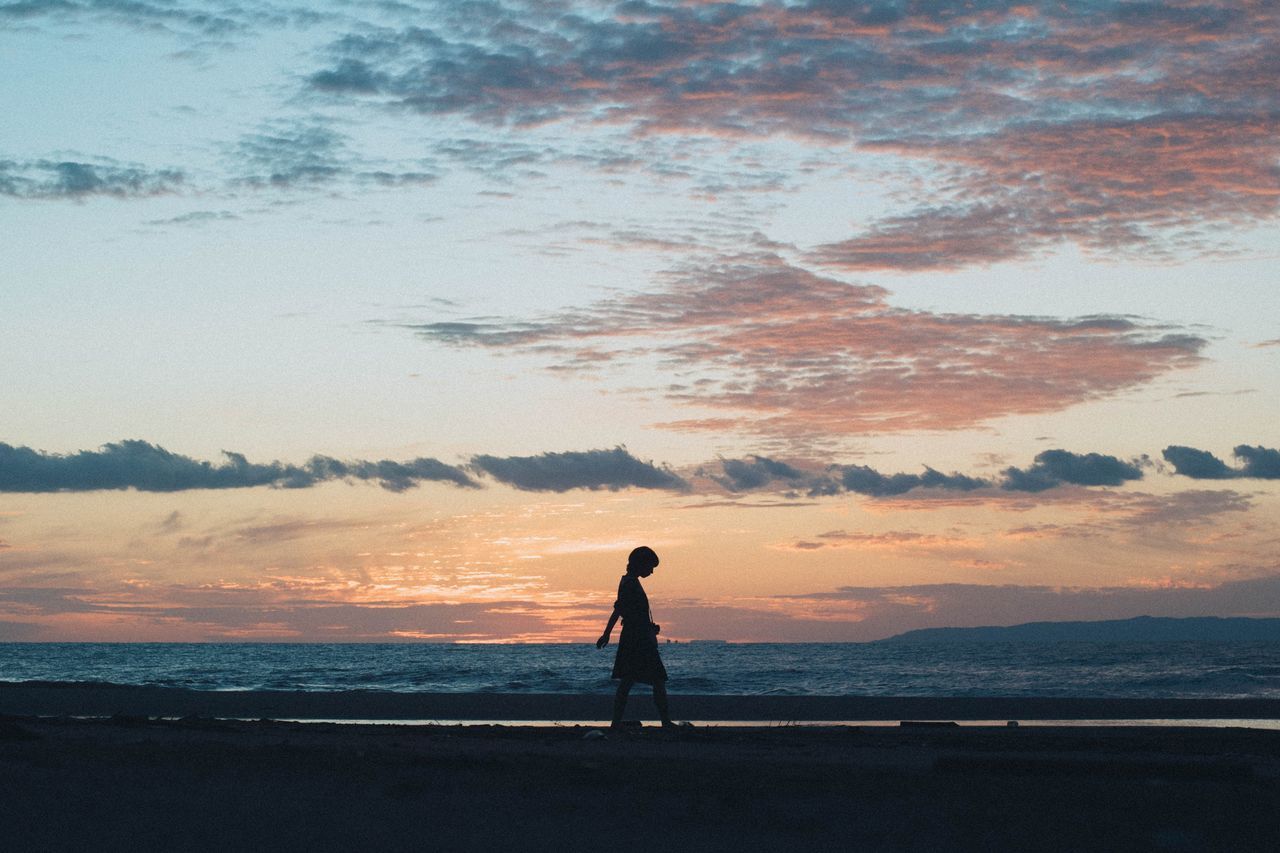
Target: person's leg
(620,699)
(660,699)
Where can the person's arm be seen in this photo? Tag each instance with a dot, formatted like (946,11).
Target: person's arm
(608,629)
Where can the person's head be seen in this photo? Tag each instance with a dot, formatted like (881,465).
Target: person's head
(642,561)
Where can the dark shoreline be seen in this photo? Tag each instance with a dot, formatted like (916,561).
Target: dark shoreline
(104,700)
(136,784)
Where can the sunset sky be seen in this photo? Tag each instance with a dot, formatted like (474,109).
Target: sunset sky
(359,320)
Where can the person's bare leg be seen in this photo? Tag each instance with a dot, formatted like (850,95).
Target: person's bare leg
(620,700)
(660,699)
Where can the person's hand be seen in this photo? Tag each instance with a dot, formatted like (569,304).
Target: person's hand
(657,629)
(603,641)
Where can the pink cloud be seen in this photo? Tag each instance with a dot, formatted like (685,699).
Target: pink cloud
(1119,127)
(1142,185)
(779,351)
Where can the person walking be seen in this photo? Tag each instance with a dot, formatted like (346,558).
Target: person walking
(637,658)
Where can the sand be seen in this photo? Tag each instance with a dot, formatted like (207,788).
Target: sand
(134,782)
(138,784)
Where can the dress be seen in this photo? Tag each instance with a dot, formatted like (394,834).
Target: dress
(637,657)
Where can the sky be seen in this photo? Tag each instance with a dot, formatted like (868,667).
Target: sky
(405,321)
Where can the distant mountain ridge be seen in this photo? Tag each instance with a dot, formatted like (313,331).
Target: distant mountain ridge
(1140,629)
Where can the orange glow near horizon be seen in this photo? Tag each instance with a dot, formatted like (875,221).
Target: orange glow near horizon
(511,569)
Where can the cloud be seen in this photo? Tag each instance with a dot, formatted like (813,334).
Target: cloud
(881,611)
(744,475)
(140,465)
(1052,468)
(860,614)
(213,19)
(285,610)
(1106,511)
(1058,477)
(336,607)
(264,611)
(1152,187)
(1055,467)
(1261,463)
(1191,508)
(172,523)
(134,464)
(1121,127)
(867,481)
(895,540)
(592,469)
(391,475)
(774,349)
(1197,464)
(18,632)
(77,181)
(355,622)
(702,165)
(290,529)
(302,154)
(1154,518)
(292,155)
(946,236)
(196,217)
(285,155)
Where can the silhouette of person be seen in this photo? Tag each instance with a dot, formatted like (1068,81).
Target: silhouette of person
(637,658)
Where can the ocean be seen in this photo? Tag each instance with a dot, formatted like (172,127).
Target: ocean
(1053,669)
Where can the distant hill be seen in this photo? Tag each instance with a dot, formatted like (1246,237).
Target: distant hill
(1142,629)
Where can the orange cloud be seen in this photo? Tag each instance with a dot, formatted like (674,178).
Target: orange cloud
(897,540)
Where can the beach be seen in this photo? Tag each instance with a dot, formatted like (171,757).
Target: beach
(139,782)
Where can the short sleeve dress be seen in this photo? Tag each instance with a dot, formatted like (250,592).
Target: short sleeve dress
(637,657)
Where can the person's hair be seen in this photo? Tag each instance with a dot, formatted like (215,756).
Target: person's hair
(642,557)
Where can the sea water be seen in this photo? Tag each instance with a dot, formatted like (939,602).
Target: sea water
(1085,669)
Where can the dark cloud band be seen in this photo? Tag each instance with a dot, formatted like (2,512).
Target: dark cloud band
(1058,467)
(1260,463)
(592,469)
(743,475)
(148,468)
(1050,469)
(866,481)
(140,465)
